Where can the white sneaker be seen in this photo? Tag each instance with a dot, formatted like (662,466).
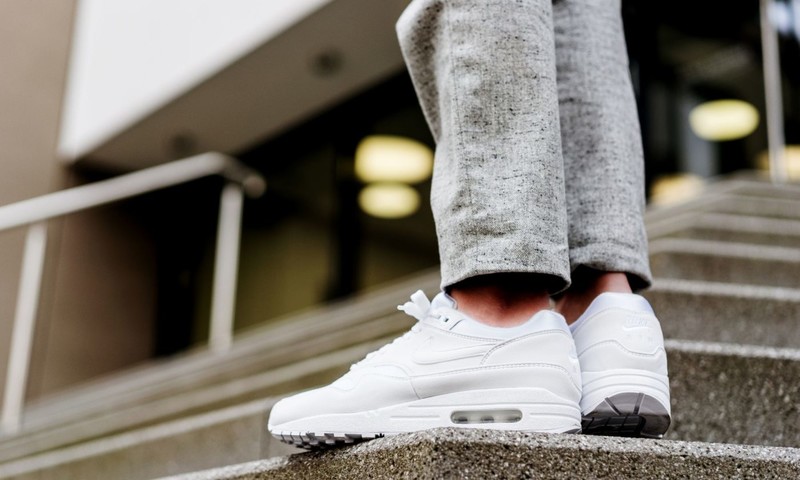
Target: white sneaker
(623,366)
(448,370)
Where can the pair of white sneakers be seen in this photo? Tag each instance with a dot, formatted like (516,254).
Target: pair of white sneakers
(604,374)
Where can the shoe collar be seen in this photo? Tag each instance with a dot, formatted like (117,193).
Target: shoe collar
(442,313)
(604,301)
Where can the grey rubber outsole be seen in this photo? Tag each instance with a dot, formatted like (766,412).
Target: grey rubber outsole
(628,415)
(314,441)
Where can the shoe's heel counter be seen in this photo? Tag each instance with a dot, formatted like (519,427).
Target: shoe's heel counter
(618,338)
(554,348)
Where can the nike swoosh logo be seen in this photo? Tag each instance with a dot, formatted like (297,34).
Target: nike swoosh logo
(424,356)
(636,323)
(628,329)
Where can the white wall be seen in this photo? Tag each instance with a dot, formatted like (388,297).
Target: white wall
(129,57)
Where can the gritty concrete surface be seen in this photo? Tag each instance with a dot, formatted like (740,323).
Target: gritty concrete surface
(484,454)
(734,394)
(725,312)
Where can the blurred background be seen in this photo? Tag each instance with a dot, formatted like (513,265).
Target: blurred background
(309,93)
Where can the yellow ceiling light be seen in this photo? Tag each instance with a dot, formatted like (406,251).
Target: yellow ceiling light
(722,120)
(388,158)
(389,200)
(791,158)
(675,188)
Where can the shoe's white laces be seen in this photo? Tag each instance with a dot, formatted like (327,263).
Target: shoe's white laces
(418,307)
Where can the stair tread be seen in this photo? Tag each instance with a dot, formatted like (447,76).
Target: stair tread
(501,454)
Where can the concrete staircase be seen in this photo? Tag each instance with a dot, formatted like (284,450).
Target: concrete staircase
(726,290)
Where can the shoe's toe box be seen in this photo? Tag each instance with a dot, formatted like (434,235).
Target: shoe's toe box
(296,407)
(351,394)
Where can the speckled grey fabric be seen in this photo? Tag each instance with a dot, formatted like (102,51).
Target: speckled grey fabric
(538,160)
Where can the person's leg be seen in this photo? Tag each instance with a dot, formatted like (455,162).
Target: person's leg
(601,142)
(502,299)
(618,338)
(484,71)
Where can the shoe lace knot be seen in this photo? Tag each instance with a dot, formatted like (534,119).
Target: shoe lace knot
(419,307)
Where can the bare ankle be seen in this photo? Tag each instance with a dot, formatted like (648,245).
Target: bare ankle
(587,285)
(502,300)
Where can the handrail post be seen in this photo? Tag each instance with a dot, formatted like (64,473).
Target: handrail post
(226,263)
(23,329)
(776,142)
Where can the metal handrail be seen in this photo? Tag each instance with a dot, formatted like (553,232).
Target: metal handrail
(129,185)
(773,96)
(36,211)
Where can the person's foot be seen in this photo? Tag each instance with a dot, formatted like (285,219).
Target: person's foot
(448,370)
(623,367)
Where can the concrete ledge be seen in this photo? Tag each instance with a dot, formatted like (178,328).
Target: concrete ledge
(730,228)
(284,342)
(726,312)
(480,454)
(226,436)
(739,394)
(727,197)
(725,262)
(757,205)
(313,371)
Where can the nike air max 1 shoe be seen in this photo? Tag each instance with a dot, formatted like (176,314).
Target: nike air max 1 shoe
(623,367)
(447,371)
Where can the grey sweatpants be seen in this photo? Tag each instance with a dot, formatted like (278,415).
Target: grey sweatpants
(538,160)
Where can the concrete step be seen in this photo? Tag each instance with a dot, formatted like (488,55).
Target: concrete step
(479,454)
(751,198)
(724,312)
(755,185)
(756,205)
(222,437)
(350,322)
(730,228)
(302,374)
(720,393)
(725,262)
(739,394)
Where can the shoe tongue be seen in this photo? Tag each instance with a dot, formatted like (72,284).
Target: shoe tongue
(442,300)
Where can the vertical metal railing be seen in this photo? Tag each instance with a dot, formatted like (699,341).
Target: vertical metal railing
(226,265)
(35,212)
(23,329)
(776,143)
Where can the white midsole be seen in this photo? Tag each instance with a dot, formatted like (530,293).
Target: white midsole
(540,409)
